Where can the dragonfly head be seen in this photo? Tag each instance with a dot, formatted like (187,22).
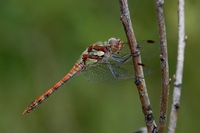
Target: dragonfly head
(115,45)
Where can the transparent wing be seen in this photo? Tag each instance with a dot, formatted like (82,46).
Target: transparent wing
(120,67)
(102,73)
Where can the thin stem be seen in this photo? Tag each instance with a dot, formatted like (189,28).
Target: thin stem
(179,69)
(164,65)
(140,82)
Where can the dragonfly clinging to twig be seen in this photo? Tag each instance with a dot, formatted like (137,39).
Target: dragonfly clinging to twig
(104,62)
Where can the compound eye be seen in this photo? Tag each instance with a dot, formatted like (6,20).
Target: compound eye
(115,45)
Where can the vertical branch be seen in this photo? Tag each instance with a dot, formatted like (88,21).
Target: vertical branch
(179,69)
(139,81)
(164,65)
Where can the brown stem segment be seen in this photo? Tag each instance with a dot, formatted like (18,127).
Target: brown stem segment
(164,65)
(140,82)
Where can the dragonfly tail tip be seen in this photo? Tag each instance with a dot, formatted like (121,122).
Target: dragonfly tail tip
(25,112)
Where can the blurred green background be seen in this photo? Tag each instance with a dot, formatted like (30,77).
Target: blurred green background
(41,40)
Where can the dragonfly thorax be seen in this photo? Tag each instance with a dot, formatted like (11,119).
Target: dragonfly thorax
(99,51)
(116,45)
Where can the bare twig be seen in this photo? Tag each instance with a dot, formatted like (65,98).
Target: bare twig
(179,69)
(139,81)
(164,65)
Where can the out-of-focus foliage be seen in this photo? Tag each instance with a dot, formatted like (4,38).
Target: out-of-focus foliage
(41,40)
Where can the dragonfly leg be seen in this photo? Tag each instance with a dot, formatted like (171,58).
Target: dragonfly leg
(114,73)
(112,70)
(126,57)
(122,59)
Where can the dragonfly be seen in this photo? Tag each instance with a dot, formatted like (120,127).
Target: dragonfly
(102,62)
